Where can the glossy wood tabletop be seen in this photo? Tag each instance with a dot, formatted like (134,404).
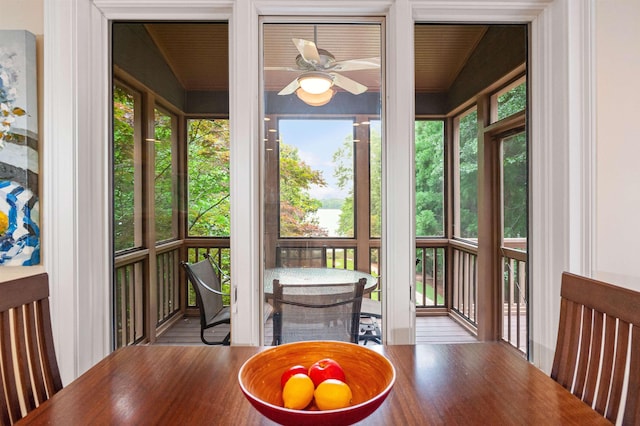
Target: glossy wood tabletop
(464,384)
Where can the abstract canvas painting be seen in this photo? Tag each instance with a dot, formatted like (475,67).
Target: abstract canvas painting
(19,202)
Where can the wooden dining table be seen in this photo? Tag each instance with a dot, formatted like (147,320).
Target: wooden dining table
(448,384)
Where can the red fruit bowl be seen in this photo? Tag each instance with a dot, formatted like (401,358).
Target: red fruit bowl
(369,375)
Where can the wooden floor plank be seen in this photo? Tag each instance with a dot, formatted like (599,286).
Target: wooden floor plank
(433,329)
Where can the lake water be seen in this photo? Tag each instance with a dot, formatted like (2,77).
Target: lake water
(329,220)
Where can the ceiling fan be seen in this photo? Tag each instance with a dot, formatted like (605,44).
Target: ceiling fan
(319,70)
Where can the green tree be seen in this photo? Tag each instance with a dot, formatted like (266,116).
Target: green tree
(514,172)
(297,207)
(512,101)
(343,172)
(514,166)
(429,161)
(164,179)
(375,179)
(208,174)
(123,169)
(468,165)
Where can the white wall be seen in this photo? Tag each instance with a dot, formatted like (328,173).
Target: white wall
(618,141)
(26,15)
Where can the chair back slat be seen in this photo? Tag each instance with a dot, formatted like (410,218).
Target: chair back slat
(10,403)
(632,407)
(594,358)
(558,369)
(597,320)
(608,353)
(27,355)
(617,379)
(583,364)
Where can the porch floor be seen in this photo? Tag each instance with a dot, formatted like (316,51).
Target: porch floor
(431,329)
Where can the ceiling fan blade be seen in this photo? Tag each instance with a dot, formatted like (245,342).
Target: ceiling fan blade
(357,64)
(281,69)
(289,88)
(348,84)
(308,50)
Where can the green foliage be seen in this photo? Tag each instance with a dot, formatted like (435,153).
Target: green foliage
(123,169)
(468,191)
(297,207)
(429,161)
(208,174)
(343,172)
(514,171)
(164,176)
(375,180)
(514,166)
(515,100)
(208,178)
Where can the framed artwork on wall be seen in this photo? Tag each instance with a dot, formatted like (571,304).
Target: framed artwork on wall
(19,195)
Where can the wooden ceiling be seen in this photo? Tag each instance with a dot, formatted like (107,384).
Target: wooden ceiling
(198,52)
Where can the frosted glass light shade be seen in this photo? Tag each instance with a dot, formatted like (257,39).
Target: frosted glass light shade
(315,100)
(315,83)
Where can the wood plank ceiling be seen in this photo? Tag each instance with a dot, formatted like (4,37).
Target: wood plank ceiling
(198,52)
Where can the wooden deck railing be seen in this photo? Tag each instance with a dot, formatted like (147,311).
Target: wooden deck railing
(168,280)
(220,251)
(464,280)
(431,291)
(129,290)
(514,297)
(434,289)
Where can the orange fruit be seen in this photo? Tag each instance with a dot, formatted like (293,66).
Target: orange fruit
(297,392)
(332,394)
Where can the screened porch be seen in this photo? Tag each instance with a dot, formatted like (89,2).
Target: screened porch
(171,197)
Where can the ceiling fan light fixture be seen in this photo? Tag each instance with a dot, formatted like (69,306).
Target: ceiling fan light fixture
(315,83)
(315,99)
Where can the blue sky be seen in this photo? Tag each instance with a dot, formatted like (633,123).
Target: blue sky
(316,141)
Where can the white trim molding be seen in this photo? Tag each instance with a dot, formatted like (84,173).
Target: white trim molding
(59,155)
(245,176)
(561,166)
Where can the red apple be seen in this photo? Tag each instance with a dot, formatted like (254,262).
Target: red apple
(296,369)
(324,369)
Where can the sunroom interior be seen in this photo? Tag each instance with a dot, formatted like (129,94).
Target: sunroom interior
(170,145)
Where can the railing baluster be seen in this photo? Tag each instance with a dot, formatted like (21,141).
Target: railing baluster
(130,307)
(514,295)
(436,271)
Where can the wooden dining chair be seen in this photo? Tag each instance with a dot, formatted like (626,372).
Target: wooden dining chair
(28,364)
(598,335)
(304,312)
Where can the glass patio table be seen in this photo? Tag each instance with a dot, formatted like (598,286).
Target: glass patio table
(315,276)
